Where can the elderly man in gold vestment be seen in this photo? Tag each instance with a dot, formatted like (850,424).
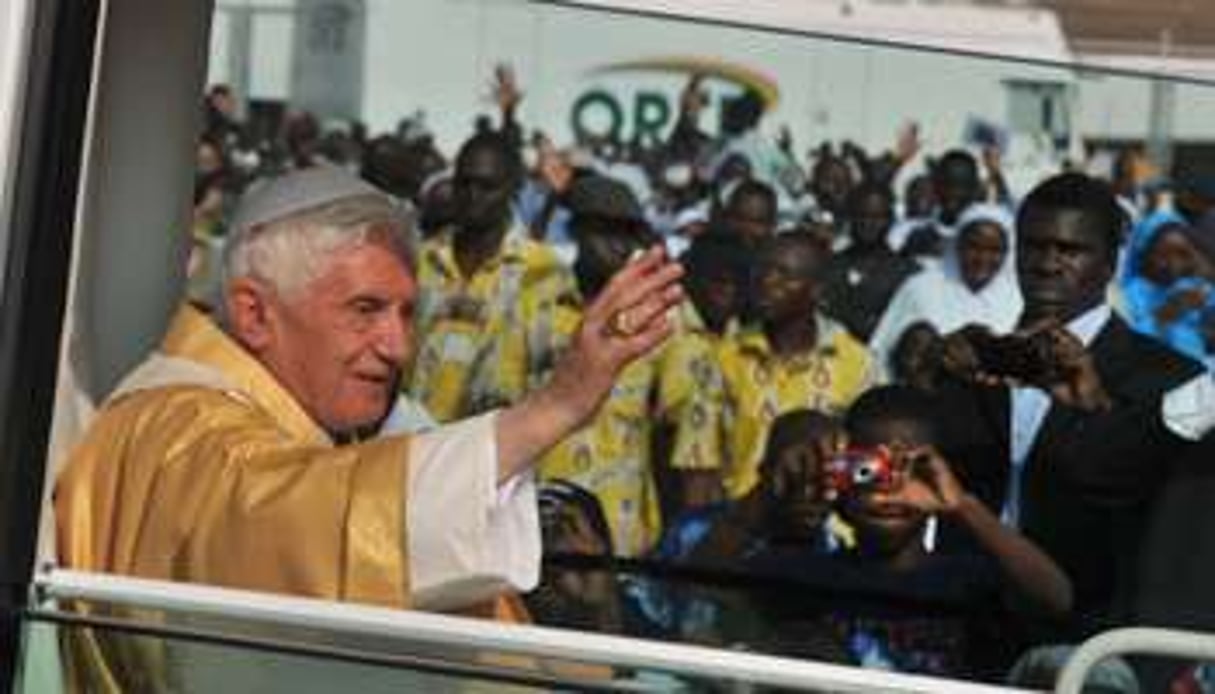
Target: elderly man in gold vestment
(251,449)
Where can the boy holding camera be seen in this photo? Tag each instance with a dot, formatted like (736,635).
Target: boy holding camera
(904,607)
(928,611)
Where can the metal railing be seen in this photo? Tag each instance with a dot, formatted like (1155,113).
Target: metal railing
(463,634)
(1171,643)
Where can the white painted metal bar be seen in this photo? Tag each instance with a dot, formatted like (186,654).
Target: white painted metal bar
(465,634)
(15,21)
(1183,645)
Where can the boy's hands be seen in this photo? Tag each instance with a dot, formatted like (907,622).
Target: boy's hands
(929,480)
(924,482)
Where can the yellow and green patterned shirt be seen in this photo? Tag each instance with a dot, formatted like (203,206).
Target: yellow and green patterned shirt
(485,341)
(692,393)
(612,456)
(760,386)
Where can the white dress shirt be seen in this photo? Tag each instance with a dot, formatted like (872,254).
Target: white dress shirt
(1030,405)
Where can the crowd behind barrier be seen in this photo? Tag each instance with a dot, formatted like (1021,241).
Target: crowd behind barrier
(803,432)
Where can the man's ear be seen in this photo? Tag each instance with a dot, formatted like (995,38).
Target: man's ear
(250,313)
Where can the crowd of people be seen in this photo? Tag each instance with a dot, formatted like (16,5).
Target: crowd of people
(891,379)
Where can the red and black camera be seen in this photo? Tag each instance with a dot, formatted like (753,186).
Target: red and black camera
(860,467)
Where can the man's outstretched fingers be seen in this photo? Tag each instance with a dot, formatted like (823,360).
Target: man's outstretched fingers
(651,273)
(635,319)
(654,333)
(644,264)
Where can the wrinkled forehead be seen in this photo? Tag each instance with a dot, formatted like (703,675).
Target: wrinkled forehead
(378,250)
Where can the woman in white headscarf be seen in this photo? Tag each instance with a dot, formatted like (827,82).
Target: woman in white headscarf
(975,283)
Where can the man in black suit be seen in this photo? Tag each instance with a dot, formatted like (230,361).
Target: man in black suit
(1068,427)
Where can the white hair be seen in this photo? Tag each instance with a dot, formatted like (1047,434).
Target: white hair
(288,254)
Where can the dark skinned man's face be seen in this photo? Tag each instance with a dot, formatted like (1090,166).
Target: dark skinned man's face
(956,186)
(482,191)
(784,284)
(870,220)
(604,248)
(716,292)
(1064,263)
(752,217)
(831,182)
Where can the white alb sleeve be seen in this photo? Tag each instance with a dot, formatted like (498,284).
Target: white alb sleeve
(467,537)
(1189,409)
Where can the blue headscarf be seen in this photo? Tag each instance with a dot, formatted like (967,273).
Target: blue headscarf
(1145,297)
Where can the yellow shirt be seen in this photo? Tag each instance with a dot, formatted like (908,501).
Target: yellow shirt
(486,340)
(612,456)
(759,386)
(692,393)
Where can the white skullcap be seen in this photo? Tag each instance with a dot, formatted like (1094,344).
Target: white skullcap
(279,197)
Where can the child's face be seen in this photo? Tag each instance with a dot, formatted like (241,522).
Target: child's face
(916,356)
(575,598)
(884,525)
(715,291)
(796,491)
(566,529)
(1170,257)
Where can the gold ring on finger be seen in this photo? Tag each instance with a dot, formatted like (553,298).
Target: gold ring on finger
(621,324)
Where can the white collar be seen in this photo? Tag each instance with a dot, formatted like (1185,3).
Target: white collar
(1086,325)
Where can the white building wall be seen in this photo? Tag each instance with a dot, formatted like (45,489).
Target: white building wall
(439,55)
(444,51)
(1118,107)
